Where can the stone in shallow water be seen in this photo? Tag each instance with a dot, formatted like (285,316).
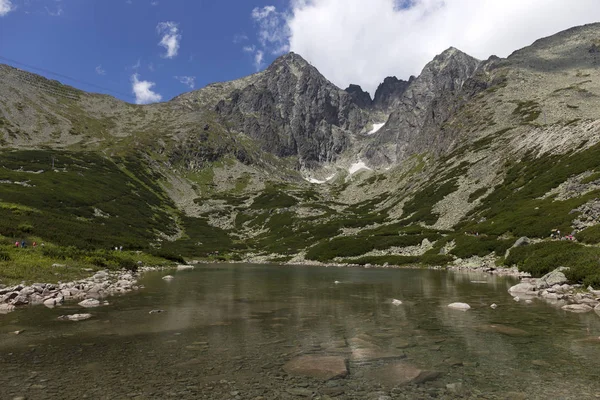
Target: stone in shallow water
(459,306)
(503,329)
(319,367)
(75,317)
(372,354)
(89,303)
(400,373)
(577,308)
(168,278)
(6,308)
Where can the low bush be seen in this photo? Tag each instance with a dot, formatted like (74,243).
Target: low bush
(468,246)
(589,235)
(540,258)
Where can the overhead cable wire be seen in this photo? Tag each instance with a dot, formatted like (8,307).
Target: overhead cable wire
(65,77)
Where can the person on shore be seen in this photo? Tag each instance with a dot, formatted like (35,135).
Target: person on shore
(17,244)
(34,245)
(23,244)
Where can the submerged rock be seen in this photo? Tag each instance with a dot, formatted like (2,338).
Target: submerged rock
(319,367)
(494,306)
(374,353)
(397,302)
(503,329)
(168,278)
(399,374)
(577,308)
(6,308)
(89,303)
(75,317)
(459,306)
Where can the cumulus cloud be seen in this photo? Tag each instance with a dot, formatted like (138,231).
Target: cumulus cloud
(6,6)
(259,57)
(273,32)
(57,10)
(170,38)
(189,81)
(100,70)
(249,49)
(143,91)
(239,38)
(362,42)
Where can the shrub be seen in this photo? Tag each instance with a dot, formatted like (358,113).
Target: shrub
(589,235)
(541,258)
(468,246)
(4,256)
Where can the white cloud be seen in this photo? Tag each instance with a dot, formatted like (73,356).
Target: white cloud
(57,11)
(273,33)
(362,42)
(240,38)
(259,57)
(187,80)
(100,70)
(154,3)
(143,91)
(6,6)
(249,49)
(170,38)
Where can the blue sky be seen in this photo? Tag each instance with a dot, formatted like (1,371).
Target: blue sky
(104,42)
(115,44)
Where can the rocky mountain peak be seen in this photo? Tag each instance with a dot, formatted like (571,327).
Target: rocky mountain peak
(359,96)
(390,91)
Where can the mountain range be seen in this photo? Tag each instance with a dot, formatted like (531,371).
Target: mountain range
(284,166)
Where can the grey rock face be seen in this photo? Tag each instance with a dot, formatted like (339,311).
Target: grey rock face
(292,110)
(390,91)
(359,96)
(523,241)
(556,277)
(414,125)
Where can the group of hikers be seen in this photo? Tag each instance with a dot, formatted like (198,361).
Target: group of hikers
(555,234)
(23,244)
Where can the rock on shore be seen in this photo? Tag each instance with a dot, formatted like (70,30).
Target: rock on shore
(88,291)
(553,287)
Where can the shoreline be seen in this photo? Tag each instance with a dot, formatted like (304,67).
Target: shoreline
(88,291)
(553,288)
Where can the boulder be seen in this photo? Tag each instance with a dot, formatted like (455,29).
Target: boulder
(20,300)
(89,303)
(168,278)
(397,302)
(6,308)
(522,241)
(399,374)
(459,306)
(556,277)
(319,367)
(523,287)
(502,329)
(374,354)
(75,317)
(577,308)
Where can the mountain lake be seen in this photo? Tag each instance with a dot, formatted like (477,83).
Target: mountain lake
(239,331)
